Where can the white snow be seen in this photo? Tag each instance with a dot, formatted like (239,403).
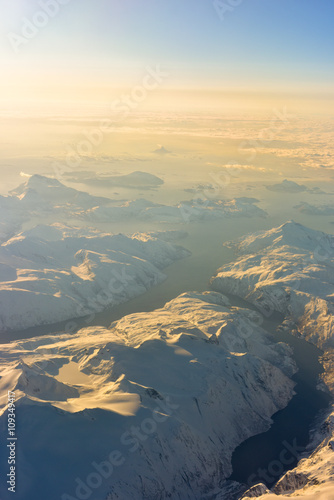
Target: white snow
(12,216)
(291,269)
(323,491)
(183,212)
(206,374)
(44,193)
(171,235)
(288,269)
(46,198)
(54,273)
(194,378)
(137,179)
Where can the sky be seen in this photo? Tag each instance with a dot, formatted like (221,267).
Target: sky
(84,49)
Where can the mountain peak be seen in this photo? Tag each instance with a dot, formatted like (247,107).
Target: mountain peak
(290,233)
(36,182)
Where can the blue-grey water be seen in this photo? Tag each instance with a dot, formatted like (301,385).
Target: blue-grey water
(265,457)
(258,458)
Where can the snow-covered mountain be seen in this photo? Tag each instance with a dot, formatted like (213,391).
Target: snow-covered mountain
(291,269)
(44,197)
(288,269)
(12,216)
(313,478)
(54,273)
(156,405)
(185,211)
(44,193)
(287,186)
(137,179)
(320,210)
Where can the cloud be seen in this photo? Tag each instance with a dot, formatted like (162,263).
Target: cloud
(246,167)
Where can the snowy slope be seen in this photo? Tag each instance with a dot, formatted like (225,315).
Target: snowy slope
(12,216)
(186,211)
(313,478)
(289,269)
(287,186)
(307,208)
(166,395)
(137,179)
(53,273)
(46,193)
(43,197)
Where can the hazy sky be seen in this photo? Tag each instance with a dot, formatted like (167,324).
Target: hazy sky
(89,45)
